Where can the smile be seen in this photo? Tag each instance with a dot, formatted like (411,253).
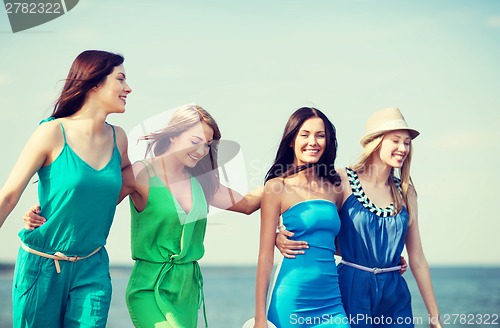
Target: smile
(311,151)
(399,156)
(194,158)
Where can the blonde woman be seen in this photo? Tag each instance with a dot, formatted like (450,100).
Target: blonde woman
(169,198)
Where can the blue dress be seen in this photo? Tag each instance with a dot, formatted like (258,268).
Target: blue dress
(306,291)
(372,237)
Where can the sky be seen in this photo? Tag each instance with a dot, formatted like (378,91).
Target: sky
(252,63)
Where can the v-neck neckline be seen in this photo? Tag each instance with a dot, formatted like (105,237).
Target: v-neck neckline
(80,158)
(183,211)
(178,205)
(186,213)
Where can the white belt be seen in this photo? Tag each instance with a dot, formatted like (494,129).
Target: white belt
(372,270)
(58,256)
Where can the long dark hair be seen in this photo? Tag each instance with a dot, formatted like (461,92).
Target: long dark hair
(283,164)
(206,170)
(88,70)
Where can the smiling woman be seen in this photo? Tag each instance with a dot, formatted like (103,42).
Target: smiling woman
(306,197)
(379,219)
(310,142)
(62,270)
(169,197)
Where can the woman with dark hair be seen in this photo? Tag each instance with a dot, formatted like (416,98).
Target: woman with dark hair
(62,270)
(169,197)
(301,187)
(284,162)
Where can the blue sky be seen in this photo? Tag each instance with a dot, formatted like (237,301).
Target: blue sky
(251,64)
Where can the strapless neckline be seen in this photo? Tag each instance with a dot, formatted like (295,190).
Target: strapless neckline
(308,201)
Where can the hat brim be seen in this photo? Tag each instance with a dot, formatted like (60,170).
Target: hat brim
(369,137)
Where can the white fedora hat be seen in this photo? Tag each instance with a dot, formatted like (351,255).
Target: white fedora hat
(385,120)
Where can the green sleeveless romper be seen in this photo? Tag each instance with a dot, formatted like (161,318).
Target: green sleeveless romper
(79,203)
(166,286)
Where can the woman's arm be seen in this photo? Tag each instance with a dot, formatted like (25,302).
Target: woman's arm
(122,143)
(418,263)
(270,212)
(231,200)
(128,180)
(135,182)
(128,183)
(34,155)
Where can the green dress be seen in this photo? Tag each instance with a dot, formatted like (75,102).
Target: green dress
(166,286)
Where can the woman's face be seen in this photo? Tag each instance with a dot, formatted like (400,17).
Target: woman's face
(193,144)
(310,142)
(112,93)
(394,148)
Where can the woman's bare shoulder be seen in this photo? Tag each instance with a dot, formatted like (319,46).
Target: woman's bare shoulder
(273,183)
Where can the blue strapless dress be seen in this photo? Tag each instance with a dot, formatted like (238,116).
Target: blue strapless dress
(306,292)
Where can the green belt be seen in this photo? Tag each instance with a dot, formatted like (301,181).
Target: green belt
(166,267)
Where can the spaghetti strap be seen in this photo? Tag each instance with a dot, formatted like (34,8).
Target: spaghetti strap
(149,167)
(114,132)
(63,132)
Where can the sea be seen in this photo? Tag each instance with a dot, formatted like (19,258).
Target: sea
(467,296)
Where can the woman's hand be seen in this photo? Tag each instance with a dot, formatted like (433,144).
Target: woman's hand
(289,248)
(404,265)
(32,219)
(435,322)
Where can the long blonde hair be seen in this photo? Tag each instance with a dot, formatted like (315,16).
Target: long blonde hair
(206,170)
(400,198)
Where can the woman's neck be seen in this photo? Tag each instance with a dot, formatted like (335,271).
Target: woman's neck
(377,173)
(307,176)
(174,169)
(90,119)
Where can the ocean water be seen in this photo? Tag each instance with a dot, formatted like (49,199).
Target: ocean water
(467,296)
